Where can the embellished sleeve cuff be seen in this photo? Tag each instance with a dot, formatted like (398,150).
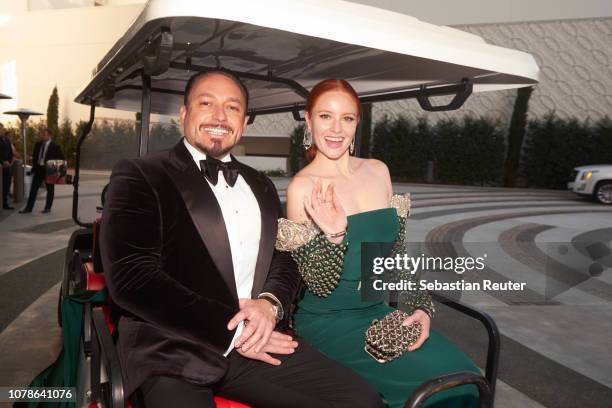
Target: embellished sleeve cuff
(319,261)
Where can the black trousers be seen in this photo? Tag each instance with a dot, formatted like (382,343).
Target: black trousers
(304,379)
(37,180)
(7,174)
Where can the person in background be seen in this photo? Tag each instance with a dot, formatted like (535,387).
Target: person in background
(6,158)
(44,150)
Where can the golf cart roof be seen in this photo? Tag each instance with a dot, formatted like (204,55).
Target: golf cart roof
(282,48)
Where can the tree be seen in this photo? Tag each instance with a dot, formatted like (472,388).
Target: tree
(296,149)
(516,134)
(365,128)
(53,113)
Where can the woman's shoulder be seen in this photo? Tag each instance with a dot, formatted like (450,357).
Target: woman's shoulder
(377,166)
(300,183)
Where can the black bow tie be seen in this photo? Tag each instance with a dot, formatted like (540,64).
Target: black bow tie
(211,166)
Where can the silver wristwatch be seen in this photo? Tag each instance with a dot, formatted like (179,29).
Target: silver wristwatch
(277,306)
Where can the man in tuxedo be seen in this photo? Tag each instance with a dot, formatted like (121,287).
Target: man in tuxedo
(45,149)
(6,160)
(199,292)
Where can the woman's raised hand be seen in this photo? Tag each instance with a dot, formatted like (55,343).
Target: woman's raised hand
(326,211)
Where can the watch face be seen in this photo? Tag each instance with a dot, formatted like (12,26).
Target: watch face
(277,312)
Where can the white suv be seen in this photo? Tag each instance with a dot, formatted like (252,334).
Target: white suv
(593,181)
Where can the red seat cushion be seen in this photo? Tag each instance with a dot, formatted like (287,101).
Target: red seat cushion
(225,403)
(95,281)
(221,403)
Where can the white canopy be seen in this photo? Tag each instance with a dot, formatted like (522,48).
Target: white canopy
(281,48)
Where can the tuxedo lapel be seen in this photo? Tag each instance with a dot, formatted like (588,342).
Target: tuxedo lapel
(204,211)
(268,208)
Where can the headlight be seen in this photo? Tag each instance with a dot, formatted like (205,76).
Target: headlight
(587,175)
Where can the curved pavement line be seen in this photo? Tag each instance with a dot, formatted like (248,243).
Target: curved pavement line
(33,340)
(21,286)
(520,244)
(49,227)
(423,215)
(601,234)
(428,202)
(495,192)
(601,255)
(446,239)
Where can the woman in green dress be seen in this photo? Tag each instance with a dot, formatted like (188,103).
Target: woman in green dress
(333,205)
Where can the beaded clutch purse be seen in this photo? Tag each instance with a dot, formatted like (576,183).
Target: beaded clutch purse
(387,339)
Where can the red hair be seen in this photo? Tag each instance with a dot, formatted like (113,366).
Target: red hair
(328,85)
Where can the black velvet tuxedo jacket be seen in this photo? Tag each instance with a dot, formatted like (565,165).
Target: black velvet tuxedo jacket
(54,152)
(168,266)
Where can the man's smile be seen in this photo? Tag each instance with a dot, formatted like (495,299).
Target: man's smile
(216,130)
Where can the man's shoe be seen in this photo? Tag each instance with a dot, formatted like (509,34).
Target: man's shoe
(46,211)
(25,211)
(7,207)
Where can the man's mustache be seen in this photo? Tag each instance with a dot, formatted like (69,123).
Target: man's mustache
(216,126)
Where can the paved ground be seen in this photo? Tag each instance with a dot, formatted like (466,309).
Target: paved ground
(555,334)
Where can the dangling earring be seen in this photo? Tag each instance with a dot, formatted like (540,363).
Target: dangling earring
(307,140)
(352,147)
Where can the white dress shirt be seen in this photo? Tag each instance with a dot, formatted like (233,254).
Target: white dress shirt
(242,219)
(43,152)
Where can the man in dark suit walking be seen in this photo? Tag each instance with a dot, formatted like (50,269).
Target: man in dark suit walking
(6,160)
(200,292)
(44,150)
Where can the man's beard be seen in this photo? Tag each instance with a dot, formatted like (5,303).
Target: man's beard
(216,150)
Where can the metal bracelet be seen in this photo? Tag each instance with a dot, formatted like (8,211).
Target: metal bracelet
(336,234)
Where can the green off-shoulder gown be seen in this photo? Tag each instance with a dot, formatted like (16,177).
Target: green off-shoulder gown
(336,326)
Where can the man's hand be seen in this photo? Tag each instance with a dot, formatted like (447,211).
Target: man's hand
(422,317)
(5,164)
(261,321)
(279,343)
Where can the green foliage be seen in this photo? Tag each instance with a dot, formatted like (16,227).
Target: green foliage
(365,126)
(163,135)
(67,139)
(516,135)
(554,146)
(112,140)
(275,173)
(404,146)
(296,149)
(32,131)
(108,142)
(469,151)
(53,113)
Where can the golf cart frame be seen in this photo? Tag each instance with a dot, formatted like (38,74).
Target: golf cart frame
(147,68)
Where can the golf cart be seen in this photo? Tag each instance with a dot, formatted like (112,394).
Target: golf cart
(280,49)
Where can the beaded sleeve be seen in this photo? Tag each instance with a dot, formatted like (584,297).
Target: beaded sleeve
(417,298)
(319,261)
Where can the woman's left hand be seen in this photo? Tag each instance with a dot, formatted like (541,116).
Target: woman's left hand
(423,318)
